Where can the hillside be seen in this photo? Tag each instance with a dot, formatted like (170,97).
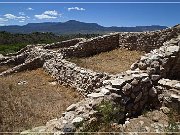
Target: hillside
(13,42)
(74,27)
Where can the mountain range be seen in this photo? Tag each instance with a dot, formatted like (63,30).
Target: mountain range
(74,27)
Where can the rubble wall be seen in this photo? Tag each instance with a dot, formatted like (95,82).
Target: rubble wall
(70,74)
(92,46)
(63,44)
(147,41)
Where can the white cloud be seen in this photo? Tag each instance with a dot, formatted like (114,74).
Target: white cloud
(21,21)
(29,8)
(3,20)
(48,12)
(11,16)
(21,13)
(2,24)
(48,15)
(76,8)
(44,16)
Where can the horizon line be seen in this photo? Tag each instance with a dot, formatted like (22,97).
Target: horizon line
(89,2)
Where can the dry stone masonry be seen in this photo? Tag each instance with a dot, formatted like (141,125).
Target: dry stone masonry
(153,80)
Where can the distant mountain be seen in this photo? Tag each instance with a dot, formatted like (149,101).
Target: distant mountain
(74,27)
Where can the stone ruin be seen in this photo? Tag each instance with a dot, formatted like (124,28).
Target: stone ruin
(153,80)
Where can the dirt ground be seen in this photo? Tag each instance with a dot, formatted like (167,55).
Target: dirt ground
(30,99)
(112,62)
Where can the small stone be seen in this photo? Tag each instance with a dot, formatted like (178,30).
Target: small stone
(147,129)
(105,91)
(155,64)
(144,74)
(69,116)
(95,95)
(155,77)
(53,83)
(69,128)
(155,117)
(127,89)
(165,110)
(117,83)
(138,97)
(142,66)
(135,82)
(172,49)
(152,92)
(151,70)
(134,66)
(126,122)
(22,82)
(71,107)
(136,76)
(177,86)
(146,79)
(141,122)
(77,120)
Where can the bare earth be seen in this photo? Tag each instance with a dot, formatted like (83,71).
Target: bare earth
(112,62)
(33,103)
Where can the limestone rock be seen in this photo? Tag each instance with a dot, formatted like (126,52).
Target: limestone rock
(95,95)
(117,83)
(105,91)
(127,89)
(77,120)
(71,107)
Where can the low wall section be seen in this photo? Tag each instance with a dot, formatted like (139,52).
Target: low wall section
(92,46)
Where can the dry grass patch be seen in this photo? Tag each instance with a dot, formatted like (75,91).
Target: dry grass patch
(33,104)
(112,62)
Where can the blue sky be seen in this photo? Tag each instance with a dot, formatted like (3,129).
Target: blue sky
(128,14)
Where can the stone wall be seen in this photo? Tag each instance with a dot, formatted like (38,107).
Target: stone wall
(92,46)
(70,74)
(132,90)
(147,41)
(64,44)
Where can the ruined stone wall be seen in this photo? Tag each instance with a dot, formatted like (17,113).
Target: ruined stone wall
(63,44)
(92,46)
(147,41)
(70,74)
(133,89)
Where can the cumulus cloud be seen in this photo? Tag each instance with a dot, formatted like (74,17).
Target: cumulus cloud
(76,8)
(11,16)
(48,15)
(53,12)
(3,20)
(44,16)
(29,8)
